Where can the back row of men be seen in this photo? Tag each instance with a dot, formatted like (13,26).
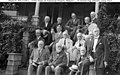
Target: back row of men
(73,25)
(80,54)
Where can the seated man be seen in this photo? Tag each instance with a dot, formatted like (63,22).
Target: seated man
(38,58)
(58,35)
(82,63)
(57,61)
(66,41)
(74,51)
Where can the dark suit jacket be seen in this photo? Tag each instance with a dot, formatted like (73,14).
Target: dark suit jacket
(60,59)
(42,56)
(84,66)
(43,26)
(35,41)
(102,52)
(55,26)
(71,24)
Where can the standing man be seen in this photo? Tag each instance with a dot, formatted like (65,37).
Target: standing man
(73,24)
(99,53)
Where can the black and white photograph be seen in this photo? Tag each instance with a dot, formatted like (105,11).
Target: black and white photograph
(59,38)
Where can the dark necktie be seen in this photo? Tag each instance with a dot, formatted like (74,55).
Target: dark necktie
(65,41)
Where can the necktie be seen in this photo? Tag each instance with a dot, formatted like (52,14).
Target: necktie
(65,41)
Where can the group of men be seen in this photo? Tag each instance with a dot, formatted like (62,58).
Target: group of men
(73,47)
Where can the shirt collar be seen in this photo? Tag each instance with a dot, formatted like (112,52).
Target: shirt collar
(96,37)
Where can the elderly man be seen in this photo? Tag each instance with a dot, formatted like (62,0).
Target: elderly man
(66,41)
(73,24)
(38,58)
(33,44)
(91,27)
(82,63)
(93,17)
(46,28)
(99,53)
(46,25)
(59,22)
(57,61)
(87,23)
(74,50)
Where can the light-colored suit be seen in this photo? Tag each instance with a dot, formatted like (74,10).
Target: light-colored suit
(69,43)
(74,51)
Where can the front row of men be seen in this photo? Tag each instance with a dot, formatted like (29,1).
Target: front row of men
(87,57)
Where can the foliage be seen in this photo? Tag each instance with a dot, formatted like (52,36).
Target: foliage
(108,28)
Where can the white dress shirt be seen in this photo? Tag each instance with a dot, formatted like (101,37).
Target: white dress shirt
(95,43)
(46,24)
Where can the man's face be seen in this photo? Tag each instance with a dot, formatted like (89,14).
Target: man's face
(47,19)
(40,44)
(87,20)
(58,29)
(73,16)
(79,37)
(91,35)
(96,32)
(82,51)
(59,20)
(38,33)
(92,15)
(58,49)
(65,35)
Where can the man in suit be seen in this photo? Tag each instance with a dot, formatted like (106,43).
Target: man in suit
(88,41)
(59,22)
(46,27)
(99,53)
(93,17)
(57,61)
(38,58)
(82,62)
(66,41)
(73,24)
(74,50)
(87,23)
(34,43)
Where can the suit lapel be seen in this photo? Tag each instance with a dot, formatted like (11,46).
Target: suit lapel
(99,39)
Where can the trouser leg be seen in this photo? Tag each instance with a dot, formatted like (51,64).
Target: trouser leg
(40,69)
(48,70)
(30,69)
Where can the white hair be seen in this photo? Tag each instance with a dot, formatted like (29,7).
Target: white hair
(47,17)
(92,12)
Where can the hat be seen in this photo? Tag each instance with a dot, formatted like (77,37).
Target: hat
(73,68)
